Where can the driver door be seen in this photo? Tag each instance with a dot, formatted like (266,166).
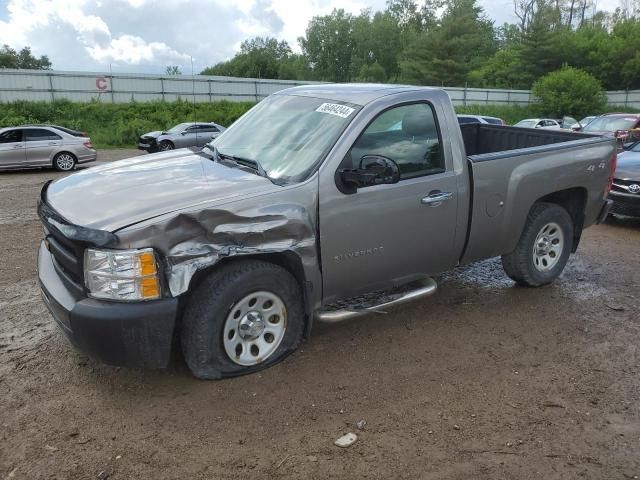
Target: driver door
(385,235)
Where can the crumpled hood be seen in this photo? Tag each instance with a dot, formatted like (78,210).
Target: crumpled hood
(628,167)
(155,134)
(114,195)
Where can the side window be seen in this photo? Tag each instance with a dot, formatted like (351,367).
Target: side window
(408,135)
(38,134)
(207,128)
(191,129)
(11,136)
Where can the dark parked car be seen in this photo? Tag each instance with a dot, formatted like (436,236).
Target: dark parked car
(625,127)
(189,134)
(625,192)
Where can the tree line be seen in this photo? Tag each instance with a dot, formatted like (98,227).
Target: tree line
(10,58)
(454,43)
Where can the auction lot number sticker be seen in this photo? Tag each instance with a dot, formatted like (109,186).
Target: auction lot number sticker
(335,109)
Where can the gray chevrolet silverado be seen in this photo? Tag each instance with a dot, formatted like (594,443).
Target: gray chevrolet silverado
(321,203)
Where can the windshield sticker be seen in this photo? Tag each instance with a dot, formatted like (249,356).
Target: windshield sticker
(341,111)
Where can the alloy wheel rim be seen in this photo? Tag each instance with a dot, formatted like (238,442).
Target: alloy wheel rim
(548,246)
(165,146)
(254,328)
(64,161)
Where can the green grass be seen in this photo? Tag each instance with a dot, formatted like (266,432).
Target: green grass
(509,113)
(119,125)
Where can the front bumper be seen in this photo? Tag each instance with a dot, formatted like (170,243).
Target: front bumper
(136,334)
(625,203)
(148,144)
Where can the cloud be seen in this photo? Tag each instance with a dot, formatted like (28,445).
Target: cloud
(28,19)
(134,51)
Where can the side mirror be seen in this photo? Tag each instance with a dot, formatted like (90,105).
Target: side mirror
(373,170)
(538,126)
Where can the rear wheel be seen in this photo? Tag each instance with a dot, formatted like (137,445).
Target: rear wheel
(242,318)
(544,246)
(64,161)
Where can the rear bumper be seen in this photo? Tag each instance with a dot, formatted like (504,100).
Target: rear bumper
(625,203)
(88,157)
(137,334)
(602,216)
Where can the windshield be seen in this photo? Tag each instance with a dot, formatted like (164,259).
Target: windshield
(525,123)
(178,128)
(287,135)
(611,124)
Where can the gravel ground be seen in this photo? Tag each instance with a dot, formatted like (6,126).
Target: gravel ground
(484,380)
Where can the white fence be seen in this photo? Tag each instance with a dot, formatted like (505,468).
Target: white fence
(49,85)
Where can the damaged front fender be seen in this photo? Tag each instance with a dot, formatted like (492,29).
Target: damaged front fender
(196,239)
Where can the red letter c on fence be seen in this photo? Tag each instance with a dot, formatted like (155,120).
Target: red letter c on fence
(101,83)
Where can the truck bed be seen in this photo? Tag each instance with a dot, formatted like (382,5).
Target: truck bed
(529,165)
(489,142)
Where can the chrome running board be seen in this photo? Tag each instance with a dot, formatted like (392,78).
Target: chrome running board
(424,288)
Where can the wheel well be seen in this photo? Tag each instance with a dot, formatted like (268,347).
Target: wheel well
(287,260)
(573,200)
(166,141)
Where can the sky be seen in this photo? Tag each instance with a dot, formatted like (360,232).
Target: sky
(148,35)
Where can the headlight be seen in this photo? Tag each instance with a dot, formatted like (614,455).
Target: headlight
(121,274)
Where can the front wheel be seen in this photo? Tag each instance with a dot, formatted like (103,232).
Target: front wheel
(165,146)
(64,162)
(544,246)
(242,318)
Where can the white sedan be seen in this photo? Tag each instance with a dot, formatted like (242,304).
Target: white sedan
(544,123)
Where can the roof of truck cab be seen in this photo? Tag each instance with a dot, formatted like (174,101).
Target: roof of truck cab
(357,93)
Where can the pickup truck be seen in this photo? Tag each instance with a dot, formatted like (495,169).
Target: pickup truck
(321,203)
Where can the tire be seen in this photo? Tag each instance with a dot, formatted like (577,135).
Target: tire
(212,329)
(64,161)
(165,145)
(549,229)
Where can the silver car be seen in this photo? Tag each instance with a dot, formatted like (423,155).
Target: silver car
(189,134)
(44,146)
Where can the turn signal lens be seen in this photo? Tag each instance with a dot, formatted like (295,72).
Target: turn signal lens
(150,288)
(147,264)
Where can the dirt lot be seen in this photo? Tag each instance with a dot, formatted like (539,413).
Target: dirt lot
(485,380)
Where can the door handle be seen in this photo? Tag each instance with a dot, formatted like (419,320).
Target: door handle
(53,143)
(17,146)
(436,198)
